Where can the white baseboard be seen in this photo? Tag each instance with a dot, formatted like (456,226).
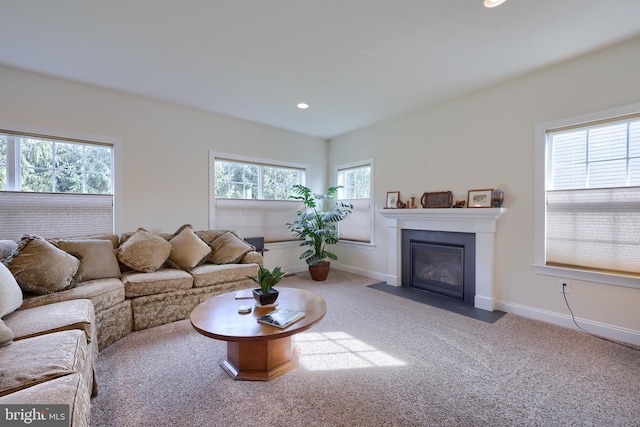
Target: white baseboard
(361,272)
(601,329)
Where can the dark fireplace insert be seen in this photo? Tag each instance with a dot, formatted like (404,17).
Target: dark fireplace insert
(440,262)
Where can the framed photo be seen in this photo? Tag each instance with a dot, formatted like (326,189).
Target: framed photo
(479,198)
(392,199)
(439,199)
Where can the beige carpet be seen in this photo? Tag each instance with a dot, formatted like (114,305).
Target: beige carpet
(377,360)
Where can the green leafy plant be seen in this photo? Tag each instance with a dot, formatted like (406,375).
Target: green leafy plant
(268,279)
(317,226)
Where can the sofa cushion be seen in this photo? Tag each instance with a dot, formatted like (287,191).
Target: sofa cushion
(163,280)
(6,248)
(229,249)
(10,292)
(212,274)
(189,250)
(32,361)
(97,259)
(144,251)
(103,293)
(6,334)
(41,268)
(61,316)
(68,390)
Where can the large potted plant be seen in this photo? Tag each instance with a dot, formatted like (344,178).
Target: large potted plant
(317,224)
(266,279)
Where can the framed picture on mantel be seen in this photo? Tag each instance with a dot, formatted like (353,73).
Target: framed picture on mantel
(479,198)
(392,199)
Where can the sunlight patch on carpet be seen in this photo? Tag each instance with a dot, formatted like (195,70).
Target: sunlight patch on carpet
(329,351)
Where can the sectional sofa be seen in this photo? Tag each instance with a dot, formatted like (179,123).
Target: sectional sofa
(64,299)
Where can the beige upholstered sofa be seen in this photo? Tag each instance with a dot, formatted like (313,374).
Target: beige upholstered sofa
(75,296)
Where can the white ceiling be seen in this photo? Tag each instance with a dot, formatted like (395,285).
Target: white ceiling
(356,62)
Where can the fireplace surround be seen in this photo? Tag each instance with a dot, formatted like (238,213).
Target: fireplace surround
(481,222)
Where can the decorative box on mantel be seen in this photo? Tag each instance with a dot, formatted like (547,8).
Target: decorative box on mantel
(480,221)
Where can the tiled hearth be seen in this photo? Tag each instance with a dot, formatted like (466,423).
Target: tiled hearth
(480,221)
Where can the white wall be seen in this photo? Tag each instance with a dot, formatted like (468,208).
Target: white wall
(479,141)
(165,147)
(486,140)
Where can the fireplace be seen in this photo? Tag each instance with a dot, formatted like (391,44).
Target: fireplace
(440,262)
(479,222)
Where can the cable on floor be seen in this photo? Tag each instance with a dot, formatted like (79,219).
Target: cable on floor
(564,294)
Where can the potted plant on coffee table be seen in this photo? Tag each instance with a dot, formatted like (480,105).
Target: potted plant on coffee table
(267,280)
(318,227)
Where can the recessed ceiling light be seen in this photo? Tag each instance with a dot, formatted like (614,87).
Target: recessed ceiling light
(493,3)
(303,105)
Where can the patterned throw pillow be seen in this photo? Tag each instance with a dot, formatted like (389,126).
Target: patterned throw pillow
(189,250)
(144,251)
(97,259)
(229,249)
(41,268)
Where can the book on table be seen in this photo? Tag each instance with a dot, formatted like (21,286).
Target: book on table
(281,317)
(244,294)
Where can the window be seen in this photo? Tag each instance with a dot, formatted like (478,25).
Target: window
(54,187)
(251,196)
(237,180)
(592,195)
(355,178)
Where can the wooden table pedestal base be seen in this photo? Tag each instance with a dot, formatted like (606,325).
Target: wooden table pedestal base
(260,360)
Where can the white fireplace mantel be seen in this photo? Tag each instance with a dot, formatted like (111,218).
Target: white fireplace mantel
(480,221)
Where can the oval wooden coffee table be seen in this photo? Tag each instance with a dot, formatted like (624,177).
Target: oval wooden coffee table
(255,351)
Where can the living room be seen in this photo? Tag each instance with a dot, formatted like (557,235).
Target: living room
(482,139)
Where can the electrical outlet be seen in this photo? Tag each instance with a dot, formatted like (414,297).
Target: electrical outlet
(563,286)
(431,167)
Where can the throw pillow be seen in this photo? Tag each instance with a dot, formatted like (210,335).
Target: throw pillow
(41,268)
(189,250)
(6,334)
(97,259)
(10,292)
(229,249)
(144,251)
(6,248)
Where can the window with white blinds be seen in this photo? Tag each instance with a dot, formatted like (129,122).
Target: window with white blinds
(355,180)
(250,196)
(593,196)
(54,186)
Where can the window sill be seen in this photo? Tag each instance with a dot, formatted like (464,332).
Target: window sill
(588,276)
(358,245)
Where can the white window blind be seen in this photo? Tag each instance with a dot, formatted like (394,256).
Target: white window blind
(593,197)
(54,214)
(255,218)
(356,182)
(357,225)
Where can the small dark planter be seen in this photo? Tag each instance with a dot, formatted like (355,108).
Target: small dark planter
(264,299)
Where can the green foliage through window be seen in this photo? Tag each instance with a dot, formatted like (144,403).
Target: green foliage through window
(237,180)
(355,182)
(55,166)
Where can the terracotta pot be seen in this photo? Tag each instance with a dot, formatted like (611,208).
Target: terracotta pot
(320,271)
(265,299)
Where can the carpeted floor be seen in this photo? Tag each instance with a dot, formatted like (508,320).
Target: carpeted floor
(377,359)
